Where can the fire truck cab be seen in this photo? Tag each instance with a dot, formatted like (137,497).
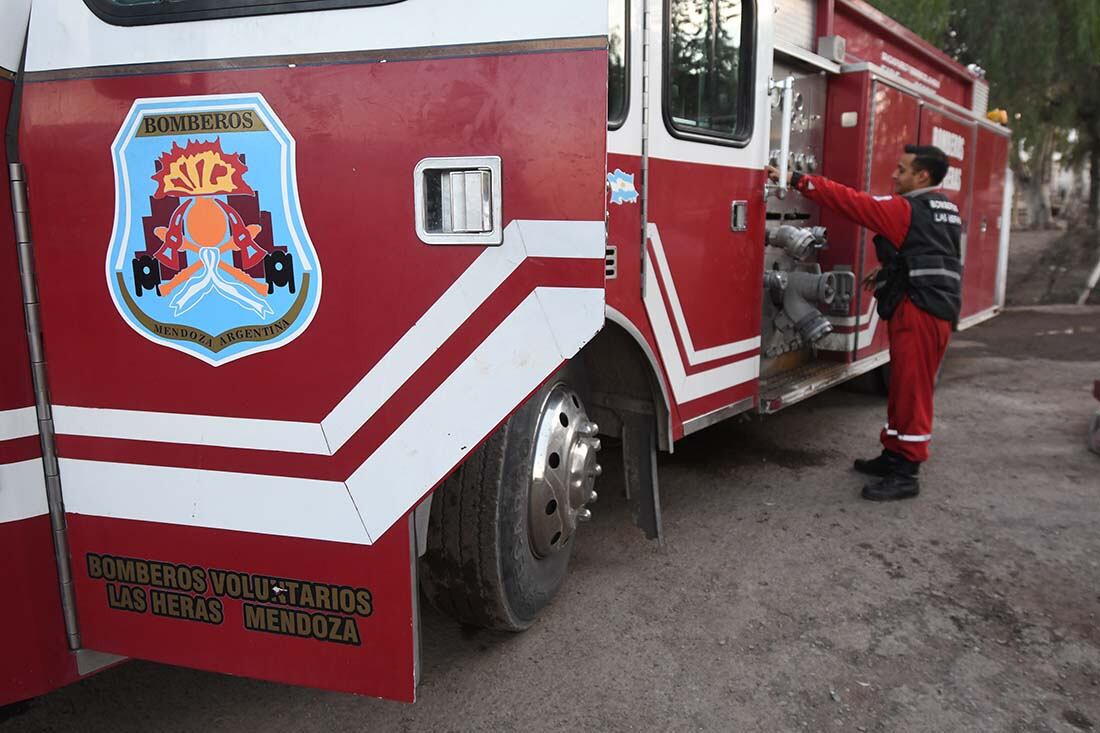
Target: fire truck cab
(314,309)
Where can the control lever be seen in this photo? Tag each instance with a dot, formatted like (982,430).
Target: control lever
(787,87)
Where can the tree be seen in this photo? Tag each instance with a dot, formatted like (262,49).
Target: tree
(929,19)
(1035,54)
(1042,60)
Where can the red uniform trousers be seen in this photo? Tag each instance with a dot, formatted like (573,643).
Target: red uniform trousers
(918,341)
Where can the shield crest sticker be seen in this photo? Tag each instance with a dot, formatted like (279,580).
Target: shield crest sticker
(209,254)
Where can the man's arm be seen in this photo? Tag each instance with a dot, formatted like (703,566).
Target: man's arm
(889,216)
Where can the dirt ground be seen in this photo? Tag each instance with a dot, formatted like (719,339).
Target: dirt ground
(781,601)
(1049,267)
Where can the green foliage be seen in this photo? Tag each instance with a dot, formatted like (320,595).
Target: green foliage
(929,19)
(1041,57)
(1042,60)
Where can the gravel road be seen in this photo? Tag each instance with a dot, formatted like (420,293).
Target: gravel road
(781,601)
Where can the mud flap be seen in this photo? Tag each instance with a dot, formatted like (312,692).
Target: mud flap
(640,471)
(331,615)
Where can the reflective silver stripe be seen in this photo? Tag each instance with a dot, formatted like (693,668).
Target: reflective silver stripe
(908,438)
(935,273)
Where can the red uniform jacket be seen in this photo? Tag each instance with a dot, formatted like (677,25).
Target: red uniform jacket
(889,216)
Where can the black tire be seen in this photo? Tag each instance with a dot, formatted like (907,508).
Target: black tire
(479,567)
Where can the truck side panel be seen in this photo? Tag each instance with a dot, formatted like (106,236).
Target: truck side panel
(848,120)
(239,489)
(874,37)
(344,619)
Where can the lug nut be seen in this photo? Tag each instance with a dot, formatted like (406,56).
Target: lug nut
(584,515)
(597,470)
(589,429)
(592,497)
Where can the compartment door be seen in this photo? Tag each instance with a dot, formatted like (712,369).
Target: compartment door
(896,121)
(986,221)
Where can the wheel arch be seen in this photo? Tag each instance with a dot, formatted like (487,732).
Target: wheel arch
(624,373)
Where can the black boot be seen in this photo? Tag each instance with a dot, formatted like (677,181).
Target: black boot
(900,483)
(883,464)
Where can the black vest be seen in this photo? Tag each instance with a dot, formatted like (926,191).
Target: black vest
(928,266)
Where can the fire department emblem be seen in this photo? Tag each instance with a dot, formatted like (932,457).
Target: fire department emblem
(209,254)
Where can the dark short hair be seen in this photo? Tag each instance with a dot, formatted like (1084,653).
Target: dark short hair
(929,158)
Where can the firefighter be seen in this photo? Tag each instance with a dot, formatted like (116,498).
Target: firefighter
(919,290)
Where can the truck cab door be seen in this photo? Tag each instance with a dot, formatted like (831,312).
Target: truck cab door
(707,137)
(271,334)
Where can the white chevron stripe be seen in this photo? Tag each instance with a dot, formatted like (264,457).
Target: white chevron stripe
(694,357)
(502,370)
(205,430)
(18,423)
(533,341)
(522,239)
(22,491)
(291,507)
(687,387)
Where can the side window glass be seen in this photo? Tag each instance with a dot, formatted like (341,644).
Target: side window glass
(151,12)
(618,69)
(708,75)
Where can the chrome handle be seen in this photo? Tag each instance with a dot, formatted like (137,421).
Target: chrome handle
(458,200)
(787,87)
(739,216)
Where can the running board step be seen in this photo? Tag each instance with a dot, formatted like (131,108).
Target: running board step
(789,388)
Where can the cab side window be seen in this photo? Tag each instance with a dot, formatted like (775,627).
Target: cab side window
(150,12)
(709,69)
(618,63)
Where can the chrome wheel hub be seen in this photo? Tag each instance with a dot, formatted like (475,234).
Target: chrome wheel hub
(564,471)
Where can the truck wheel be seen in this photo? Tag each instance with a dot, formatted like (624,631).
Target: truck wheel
(502,526)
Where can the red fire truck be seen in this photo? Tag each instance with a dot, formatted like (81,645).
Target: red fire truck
(314,308)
